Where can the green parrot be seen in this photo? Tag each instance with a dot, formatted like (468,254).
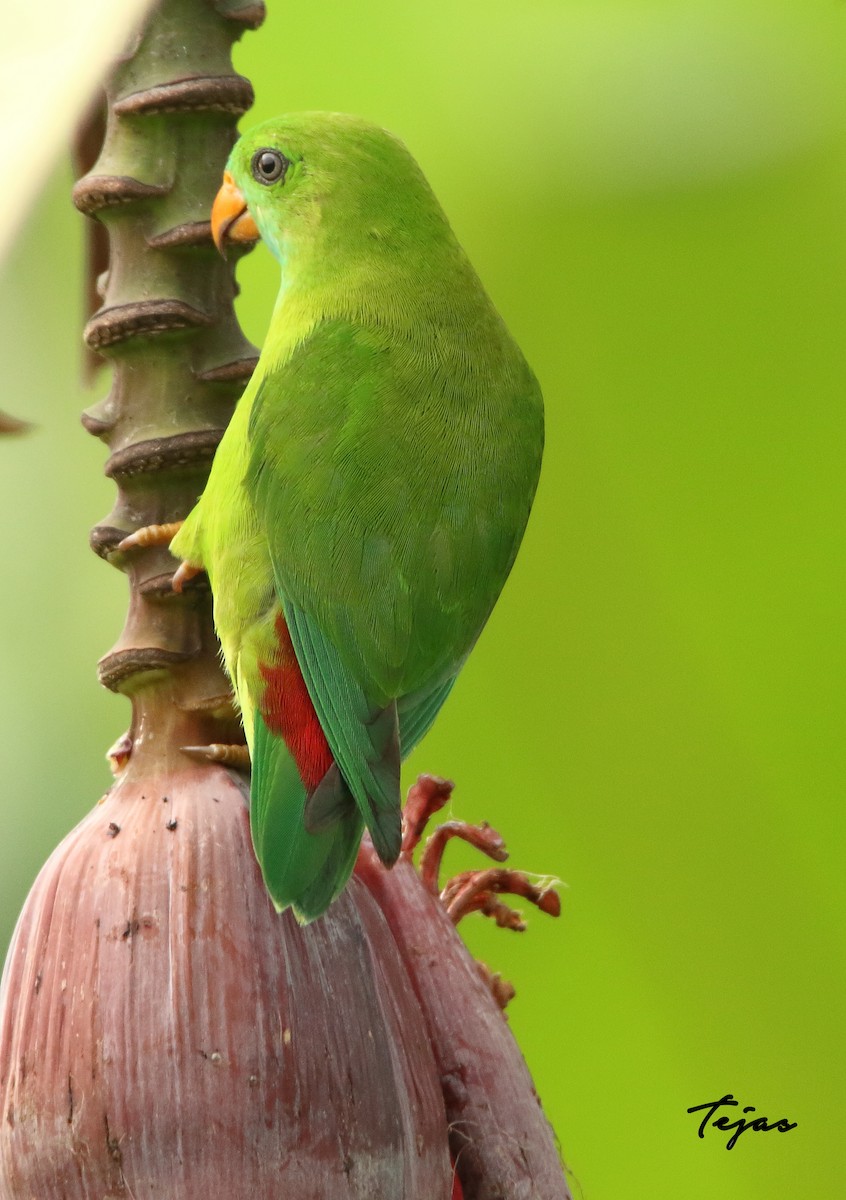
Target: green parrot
(367,501)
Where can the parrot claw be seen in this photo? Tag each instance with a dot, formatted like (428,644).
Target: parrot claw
(150,535)
(235,755)
(160,535)
(183,573)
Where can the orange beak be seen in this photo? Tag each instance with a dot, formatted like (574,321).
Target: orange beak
(230,221)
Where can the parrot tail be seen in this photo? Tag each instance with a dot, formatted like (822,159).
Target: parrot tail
(303,869)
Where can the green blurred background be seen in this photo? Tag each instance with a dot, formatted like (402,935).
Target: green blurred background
(655,196)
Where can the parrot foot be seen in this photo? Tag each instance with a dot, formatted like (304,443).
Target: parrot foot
(160,535)
(235,755)
(183,573)
(118,755)
(150,535)
(501,990)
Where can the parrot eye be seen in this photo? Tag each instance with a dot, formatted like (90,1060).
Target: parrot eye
(269,165)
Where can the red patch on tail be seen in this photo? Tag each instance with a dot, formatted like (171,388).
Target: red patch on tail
(287,710)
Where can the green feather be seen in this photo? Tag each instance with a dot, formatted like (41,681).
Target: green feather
(375,480)
(363,740)
(417,714)
(300,869)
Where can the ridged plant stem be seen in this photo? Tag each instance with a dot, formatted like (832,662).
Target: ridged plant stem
(168,329)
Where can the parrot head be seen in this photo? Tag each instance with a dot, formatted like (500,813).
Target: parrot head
(306,178)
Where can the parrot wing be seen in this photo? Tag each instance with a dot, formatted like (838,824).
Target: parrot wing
(392,511)
(417,713)
(392,486)
(364,740)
